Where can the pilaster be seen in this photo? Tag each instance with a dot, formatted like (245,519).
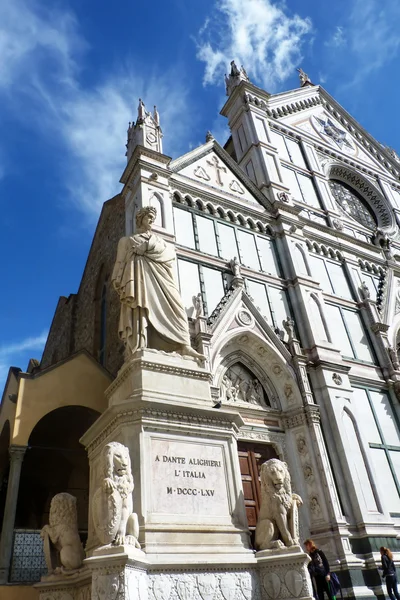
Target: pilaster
(17,454)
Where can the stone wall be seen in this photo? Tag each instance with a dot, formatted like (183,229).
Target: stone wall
(76,323)
(59,341)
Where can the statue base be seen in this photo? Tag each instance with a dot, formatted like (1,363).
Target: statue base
(121,576)
(283,573)
(161,376)
(188,494)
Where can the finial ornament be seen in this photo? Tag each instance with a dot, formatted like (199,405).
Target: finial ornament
(235,77)
(146,131)
(209,136)
(304,78)
(156,116)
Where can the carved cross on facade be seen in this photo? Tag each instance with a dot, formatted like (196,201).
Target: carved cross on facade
(214,163)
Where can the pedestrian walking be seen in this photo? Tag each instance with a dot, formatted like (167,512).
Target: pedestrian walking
(389,573)
(319,570)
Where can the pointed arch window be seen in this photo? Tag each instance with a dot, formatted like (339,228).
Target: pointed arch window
(353,204)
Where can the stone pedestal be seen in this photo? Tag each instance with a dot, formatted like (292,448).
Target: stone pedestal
(127,574)
(283,574)
(188,497)
(188,493)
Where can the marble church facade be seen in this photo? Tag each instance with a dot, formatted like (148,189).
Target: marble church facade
(288,262)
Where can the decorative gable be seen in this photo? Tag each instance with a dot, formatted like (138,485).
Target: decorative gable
(207,168)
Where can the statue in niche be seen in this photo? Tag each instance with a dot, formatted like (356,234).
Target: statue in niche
(277,524)
(63,548)
(112,505)
(152,312)
(239,384)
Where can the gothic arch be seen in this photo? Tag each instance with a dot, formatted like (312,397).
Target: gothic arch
(239,357)
(318,317)
(269,365)
(157,201)
(357,451)
(301,259)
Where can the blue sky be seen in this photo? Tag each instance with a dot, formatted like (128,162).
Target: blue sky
(71,73)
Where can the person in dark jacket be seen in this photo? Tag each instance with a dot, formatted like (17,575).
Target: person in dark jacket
(389,573)
(319,570)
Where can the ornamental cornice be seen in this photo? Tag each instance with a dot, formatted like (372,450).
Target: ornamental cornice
(330,156)
(366,265)
(379,327)
(17,453)
(362,139)
(264,436)
(176,418)
(224,210)
(321,248)
(286,109)
(141,364)
(137,154)
(305,415)
(313,226)
(236,170)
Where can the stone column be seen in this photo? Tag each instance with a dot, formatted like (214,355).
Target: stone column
(16,455)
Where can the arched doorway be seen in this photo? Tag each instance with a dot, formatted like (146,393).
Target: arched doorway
(55,462)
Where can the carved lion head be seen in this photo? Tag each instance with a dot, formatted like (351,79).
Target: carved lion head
(117,462)
(275,476)
(63,510)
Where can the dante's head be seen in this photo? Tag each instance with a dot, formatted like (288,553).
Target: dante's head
(145,218)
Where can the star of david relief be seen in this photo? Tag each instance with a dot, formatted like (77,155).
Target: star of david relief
(338,136)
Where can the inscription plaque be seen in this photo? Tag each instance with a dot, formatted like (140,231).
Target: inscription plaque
(188,478)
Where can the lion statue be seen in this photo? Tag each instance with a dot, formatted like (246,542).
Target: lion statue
(112,504)
(277,524)
(63,549)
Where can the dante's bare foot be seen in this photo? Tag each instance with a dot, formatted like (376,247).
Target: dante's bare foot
(189,351)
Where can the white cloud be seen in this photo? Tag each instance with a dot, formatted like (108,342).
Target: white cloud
(29,343)
(338,38)
(13,353)
(367,40)
(30,35)
(39,56)
(260,34)
(374,35)
(94,123)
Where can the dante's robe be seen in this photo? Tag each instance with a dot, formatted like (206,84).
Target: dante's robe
(144,279)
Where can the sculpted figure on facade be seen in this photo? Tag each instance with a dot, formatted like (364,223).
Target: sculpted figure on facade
(243,387)
(152,312)
(198,305)
(277,524)
(235,267)
(63,549)
(304,78)
(235,77)
(113,517)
